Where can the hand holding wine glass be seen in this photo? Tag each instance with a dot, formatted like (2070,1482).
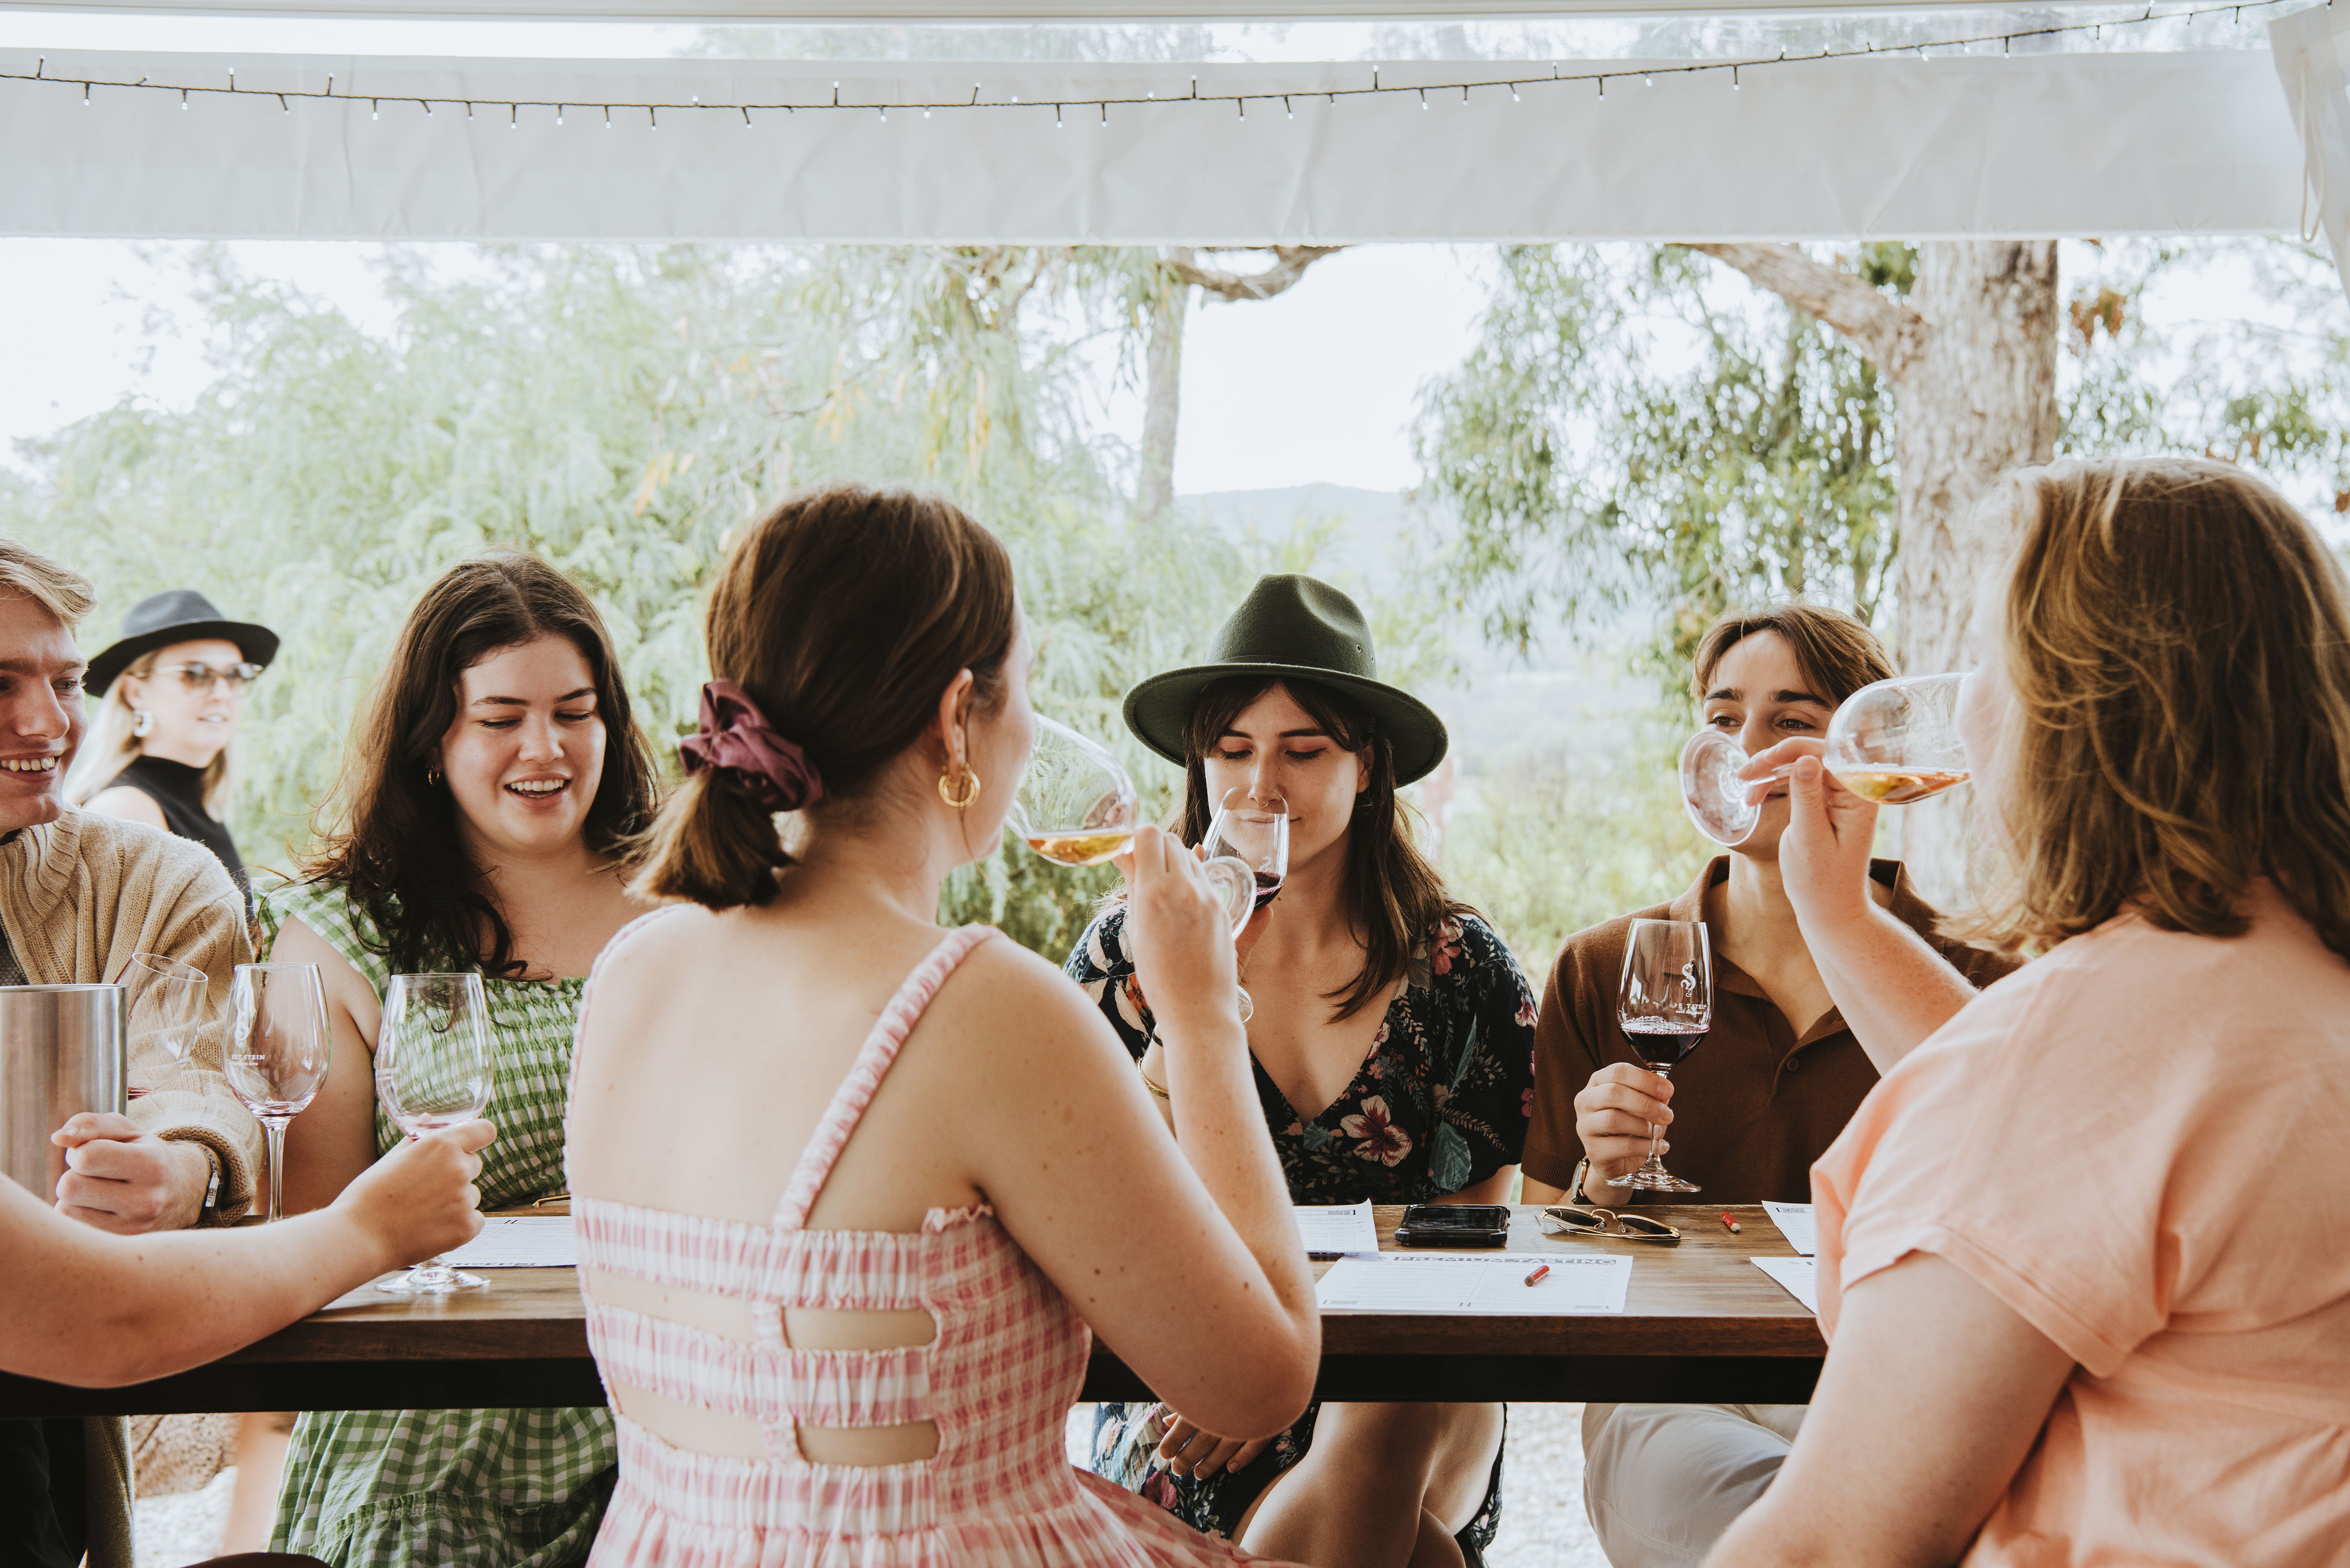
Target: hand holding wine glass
(1665,1004)
(433,1070)
(1250,834)
(278,1051)
(1894,743)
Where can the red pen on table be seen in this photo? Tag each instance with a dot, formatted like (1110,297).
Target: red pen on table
(1734,1230)
(1538,1273)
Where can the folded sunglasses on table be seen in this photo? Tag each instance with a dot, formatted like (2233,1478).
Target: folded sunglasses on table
(1596,1223)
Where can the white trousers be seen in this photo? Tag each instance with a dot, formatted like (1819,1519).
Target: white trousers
(1662,1482)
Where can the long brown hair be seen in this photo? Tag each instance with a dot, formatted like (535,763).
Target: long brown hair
(396,848)
(844,614)
(2178,638)
(1393,897)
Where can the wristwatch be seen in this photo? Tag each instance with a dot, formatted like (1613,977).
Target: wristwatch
(1582,1169)
(212,1186)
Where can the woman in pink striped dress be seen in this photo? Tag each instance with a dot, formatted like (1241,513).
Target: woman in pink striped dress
(849,1188)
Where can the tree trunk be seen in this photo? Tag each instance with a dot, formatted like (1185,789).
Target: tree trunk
(1971,359)
(1162,395)
(1981,402)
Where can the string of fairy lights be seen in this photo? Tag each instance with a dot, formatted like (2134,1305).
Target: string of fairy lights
(1097,108)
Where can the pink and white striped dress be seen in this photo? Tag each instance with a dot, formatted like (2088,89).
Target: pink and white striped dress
(998,1380)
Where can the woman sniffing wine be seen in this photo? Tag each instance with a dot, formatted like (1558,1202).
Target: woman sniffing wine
(1391,1044)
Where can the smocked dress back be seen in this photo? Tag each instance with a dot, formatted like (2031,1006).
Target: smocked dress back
(997,1380)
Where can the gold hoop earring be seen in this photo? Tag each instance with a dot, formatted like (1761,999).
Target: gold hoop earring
(432,776)
(954,780)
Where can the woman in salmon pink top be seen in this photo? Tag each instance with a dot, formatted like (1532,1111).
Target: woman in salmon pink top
(2085,1252)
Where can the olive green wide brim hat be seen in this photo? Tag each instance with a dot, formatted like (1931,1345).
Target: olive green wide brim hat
(1292,626)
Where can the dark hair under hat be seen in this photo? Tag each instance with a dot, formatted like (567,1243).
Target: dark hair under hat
(178,615)
(1292,626)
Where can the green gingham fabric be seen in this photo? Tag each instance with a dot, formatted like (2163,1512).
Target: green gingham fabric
(479,1488)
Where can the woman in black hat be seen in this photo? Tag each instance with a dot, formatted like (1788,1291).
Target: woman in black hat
(1393,1047)
(173,690)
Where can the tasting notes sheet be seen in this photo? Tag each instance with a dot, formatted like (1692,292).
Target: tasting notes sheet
(1486,1284)
(519,1242)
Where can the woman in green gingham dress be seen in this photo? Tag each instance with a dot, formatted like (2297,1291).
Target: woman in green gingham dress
(493,787)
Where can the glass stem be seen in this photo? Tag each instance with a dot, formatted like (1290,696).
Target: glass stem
(1656,1129)
(275,1127)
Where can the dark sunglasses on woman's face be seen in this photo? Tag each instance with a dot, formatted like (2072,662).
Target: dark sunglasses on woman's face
(202,677)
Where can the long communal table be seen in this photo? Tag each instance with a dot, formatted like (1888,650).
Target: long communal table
(1700,1324)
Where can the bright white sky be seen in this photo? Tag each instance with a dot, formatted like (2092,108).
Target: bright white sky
(1316,386)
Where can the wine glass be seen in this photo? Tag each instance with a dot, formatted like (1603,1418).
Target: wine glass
(1076,805)
(1893,741)
(433,1069)
(166,1006)
(1251,834)
(1664,1003)
(280,1048)
(1897,741)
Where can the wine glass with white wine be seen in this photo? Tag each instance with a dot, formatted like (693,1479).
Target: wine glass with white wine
(1076,805)
(1893,741)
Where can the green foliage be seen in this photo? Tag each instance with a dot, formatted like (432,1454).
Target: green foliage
(1621,437)
(1556,842)
(619,412)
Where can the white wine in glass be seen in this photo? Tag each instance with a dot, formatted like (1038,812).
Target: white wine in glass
(1893,741)
(1076,805)
(279,1049)
(433,1069)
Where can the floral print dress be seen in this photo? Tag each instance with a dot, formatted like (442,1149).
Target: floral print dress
(1440,1102)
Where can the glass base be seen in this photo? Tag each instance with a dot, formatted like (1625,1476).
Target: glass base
(432,1279)
(1654,1178)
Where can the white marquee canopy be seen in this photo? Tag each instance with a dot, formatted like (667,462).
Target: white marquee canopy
(1878,145)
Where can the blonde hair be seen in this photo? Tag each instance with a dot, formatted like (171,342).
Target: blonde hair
(54,585)
(110,747)
(2178,638)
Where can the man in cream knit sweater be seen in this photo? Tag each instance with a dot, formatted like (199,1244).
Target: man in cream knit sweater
(79,895)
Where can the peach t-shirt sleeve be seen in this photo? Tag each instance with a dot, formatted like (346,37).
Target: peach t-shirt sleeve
(2034,1142)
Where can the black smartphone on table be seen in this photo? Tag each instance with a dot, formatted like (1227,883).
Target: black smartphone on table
(1454,1225)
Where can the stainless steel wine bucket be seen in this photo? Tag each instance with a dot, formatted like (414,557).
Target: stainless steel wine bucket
(61,1053)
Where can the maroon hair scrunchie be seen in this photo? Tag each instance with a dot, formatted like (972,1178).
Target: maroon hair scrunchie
(735,742)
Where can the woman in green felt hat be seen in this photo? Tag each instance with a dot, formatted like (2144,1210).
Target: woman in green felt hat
(1393,1047)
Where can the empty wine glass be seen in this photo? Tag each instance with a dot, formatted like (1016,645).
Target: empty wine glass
(1893,741)
(1252,833)
(165,1009)
(279,1050)
(1076,805)
(433,1069)
(1665,1004)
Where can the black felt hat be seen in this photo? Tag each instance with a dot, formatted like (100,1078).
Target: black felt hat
(1292,626)
(180,615)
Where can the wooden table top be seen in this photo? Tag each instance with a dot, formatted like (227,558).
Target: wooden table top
(1702,1297)
(1700,1322)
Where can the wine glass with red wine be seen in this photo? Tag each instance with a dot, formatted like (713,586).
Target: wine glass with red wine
(1664,1003)
(1251,833)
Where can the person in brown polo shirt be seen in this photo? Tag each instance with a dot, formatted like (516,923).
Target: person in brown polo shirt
(1749,1111)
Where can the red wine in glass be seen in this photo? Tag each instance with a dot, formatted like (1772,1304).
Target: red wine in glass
(1268,883)
(1659,1043)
